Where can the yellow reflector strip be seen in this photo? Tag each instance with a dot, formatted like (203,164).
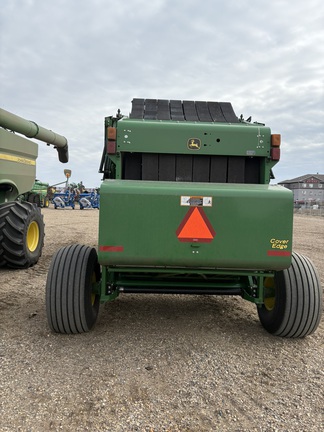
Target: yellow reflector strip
(17,159)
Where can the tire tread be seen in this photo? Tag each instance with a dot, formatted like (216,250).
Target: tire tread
(67,289)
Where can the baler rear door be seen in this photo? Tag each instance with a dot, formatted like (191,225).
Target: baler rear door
(195,225)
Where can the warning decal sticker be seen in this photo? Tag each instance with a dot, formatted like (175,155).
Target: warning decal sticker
(196,201)
(195,227)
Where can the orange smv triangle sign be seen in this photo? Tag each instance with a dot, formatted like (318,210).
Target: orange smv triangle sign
(195,227)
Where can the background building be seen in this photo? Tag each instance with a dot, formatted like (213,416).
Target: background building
(308,189)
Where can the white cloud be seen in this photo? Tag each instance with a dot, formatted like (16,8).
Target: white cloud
(68,64)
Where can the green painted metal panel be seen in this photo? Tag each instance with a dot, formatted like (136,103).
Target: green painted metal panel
(195,225)
(17,163)
(155,136)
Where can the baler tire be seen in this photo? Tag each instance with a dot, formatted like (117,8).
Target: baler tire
(296,308)
(71,305)
(22,234)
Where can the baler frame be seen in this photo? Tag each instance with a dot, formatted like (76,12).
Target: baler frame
(248,285)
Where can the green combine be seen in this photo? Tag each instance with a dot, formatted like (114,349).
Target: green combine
(187,208)
(21,222)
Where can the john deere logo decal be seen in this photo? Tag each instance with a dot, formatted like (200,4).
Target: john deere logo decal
(194,144)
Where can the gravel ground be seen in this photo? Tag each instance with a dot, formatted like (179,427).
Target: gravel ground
(154,363)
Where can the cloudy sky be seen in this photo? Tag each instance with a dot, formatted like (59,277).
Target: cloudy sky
(66,64)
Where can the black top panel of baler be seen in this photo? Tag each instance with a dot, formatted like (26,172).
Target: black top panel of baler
(177,110)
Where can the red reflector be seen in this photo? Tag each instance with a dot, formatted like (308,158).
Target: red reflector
(275,140)
(111,248)
(111,147)
(278,253)
(275,153)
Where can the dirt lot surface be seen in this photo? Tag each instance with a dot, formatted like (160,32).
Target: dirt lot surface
(154,363)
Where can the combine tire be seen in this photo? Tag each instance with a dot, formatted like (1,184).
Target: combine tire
(71,303)
(22,234)
(293,300)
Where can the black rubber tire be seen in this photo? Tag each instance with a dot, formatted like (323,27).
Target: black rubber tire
(34,198)
(37,200)
(21,234)
(31,197)
(4,210)
(71,306)
(297,305)
(46,202)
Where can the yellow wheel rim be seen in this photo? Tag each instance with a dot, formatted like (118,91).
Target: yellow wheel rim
(269,293)
(33,236)
(93,295)
(93,298)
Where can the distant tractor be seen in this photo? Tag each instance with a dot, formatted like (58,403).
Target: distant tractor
(21,222)
(186,208)
(38,194)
